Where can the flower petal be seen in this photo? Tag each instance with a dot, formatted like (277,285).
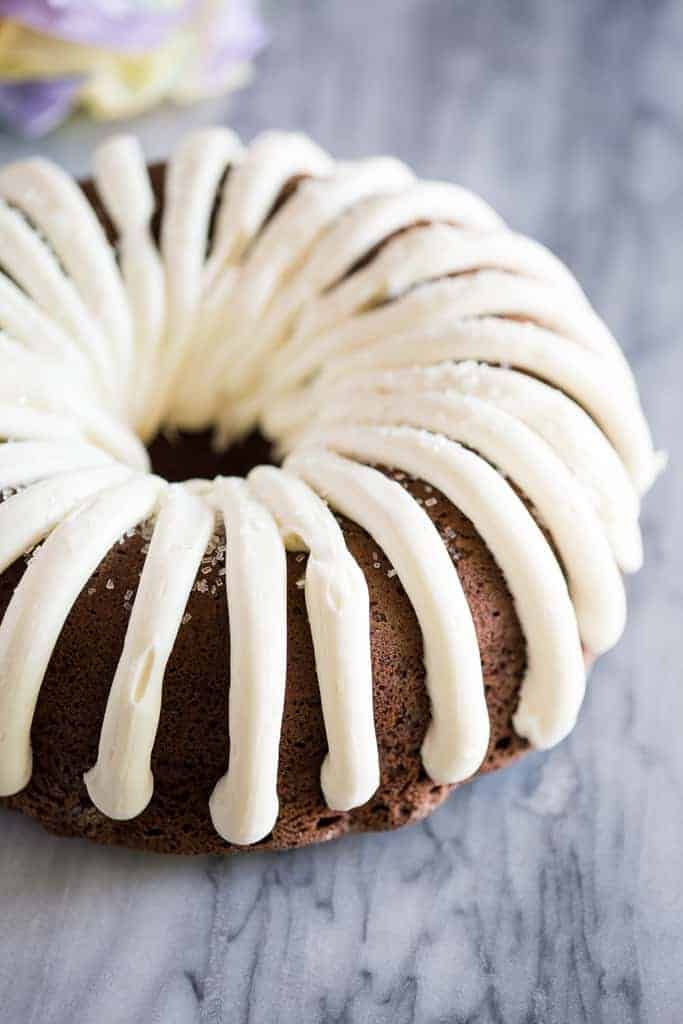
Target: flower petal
(122,25)
(34,108)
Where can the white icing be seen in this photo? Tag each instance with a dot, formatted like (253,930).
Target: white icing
(458,735)
(369,319)
(594,581)
(45,384)
(277,253)
(121,783)
(562,423)
(55,204)
(23,320)
(253,187)
(58,571)
(192,178)
(554,681)
(338,611)
(23,423)
(525,346)
(22,462)
(244,803)
(419,256)
(36,269)
(126,192)
(485,293)
(355,233)
(28,516)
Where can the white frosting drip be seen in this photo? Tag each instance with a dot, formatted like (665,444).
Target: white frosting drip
(458,735)
(28,516)
(121,783)
(422,255)
(126,192)
(193,175)
(55,204)
(244,803)
(27,324)
(369,319)
(22,423)
(57,573)
(525,346)
(45,384)
(553,685)
(37,270)
(562,423)
(253,187)
(594,581)
(277,253)
(485,293)
(354,234)
(338,611)
(22,462)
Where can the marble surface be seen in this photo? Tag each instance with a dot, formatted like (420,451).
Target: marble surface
(554,892)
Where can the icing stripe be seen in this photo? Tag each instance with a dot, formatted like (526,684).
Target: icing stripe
(244,803)
(339,615)
(554,681)
(486,293)
(33,266)
(277,252)
(20,423)
(527,347)
(22,462)
(121,783)
(192,178)
(56,205)
(594,581)
(27,517)
(421,256)
(272,160)
(25,322)
(123,184)
(355,234)
(563,424)
(457,737)
(53,580)
(45,385)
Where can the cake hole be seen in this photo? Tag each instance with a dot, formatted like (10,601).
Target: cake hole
(183,456)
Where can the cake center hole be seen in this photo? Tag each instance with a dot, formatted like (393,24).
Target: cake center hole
(186,456)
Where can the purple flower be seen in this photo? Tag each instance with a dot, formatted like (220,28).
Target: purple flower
(122,25)
(34,108)
(186,49)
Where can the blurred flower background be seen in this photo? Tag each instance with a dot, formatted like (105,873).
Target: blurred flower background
(118,58)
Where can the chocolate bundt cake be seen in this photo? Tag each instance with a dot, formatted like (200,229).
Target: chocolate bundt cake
(317,482)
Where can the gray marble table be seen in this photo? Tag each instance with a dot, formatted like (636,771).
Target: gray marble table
(551,893)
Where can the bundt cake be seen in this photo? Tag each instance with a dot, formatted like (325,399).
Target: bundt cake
(198,651)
